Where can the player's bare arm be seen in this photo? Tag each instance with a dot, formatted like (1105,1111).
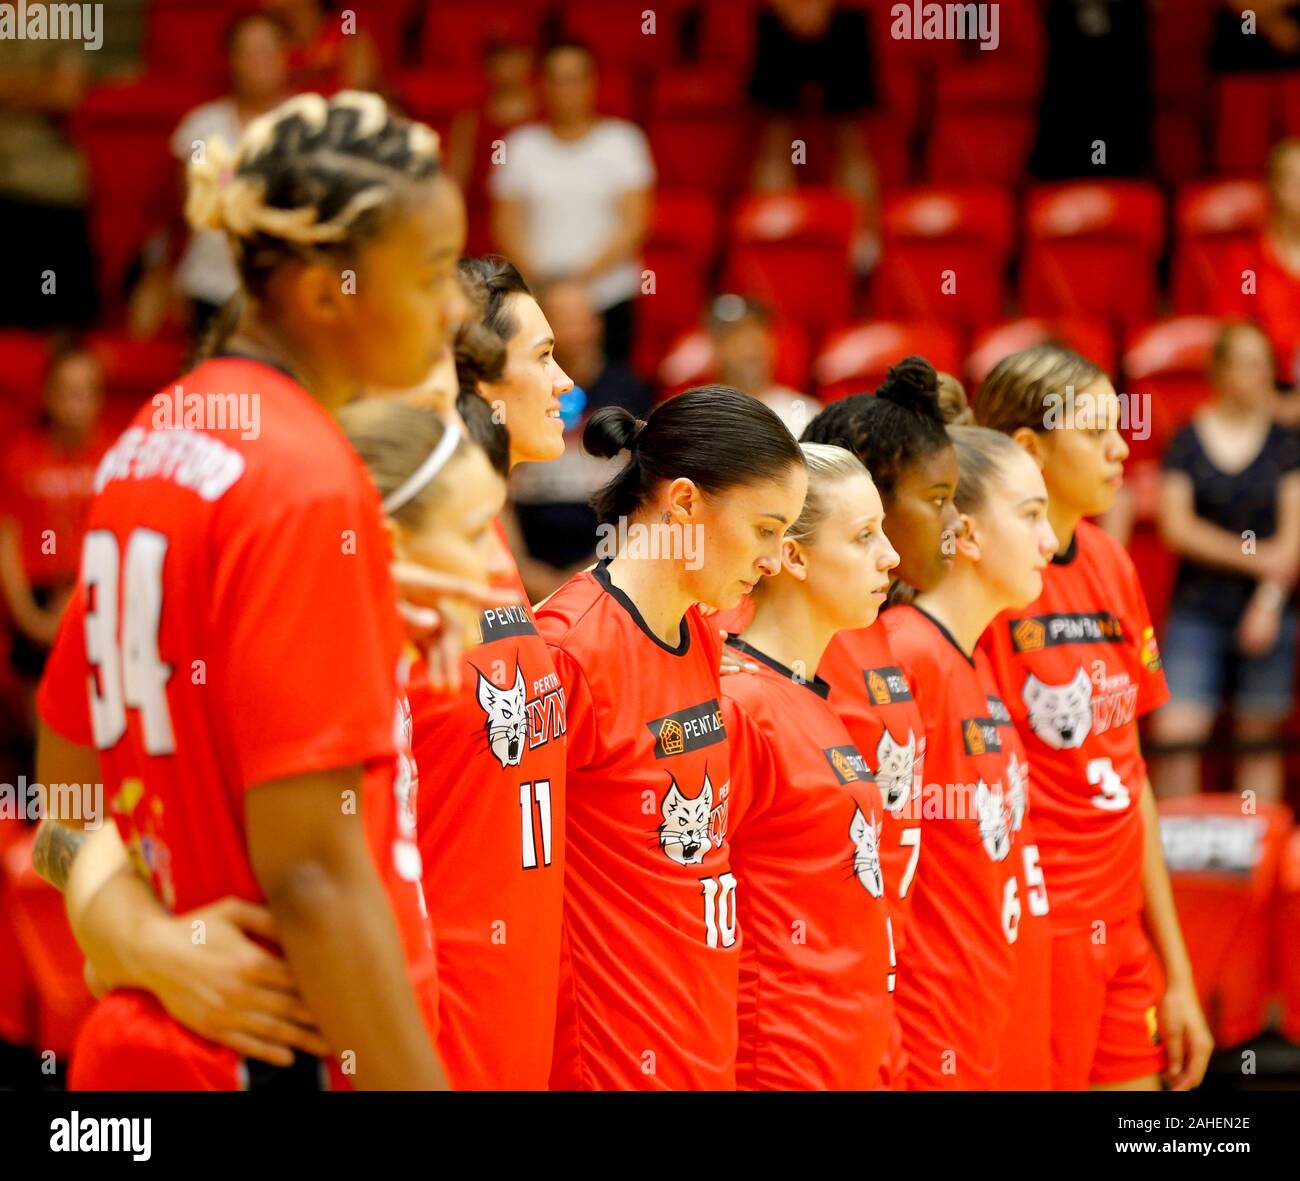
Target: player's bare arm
(307,845)
(226,987)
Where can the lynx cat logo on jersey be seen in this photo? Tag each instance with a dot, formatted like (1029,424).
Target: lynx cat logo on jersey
(1061,715)
(994,820)
(896,770)
(688,729)
(887,685)
(690,826)
(865,835)
(507,717)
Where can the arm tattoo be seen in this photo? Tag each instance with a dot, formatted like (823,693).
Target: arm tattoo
(55,850)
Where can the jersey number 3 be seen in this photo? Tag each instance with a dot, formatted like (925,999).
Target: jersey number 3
(130,673)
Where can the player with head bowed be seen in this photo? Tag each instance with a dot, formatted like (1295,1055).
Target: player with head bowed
(817,963)
(228,667)
(649,981)
(1077,667)
(971,968)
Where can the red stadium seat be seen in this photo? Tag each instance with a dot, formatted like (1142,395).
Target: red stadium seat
(727,31)
(791,250)
(855,359)
(616,32)
(679,252)
(945,255)
(700,133)
(1223,864)
(1213,222)
(1090,338)
(135,370)
(1092,249)
(981,146)
(186,38)
(689,362)
(23,358)
(985,118)
(1287,937)
(458,31)
(1247,122)
(124,128)
(1167,363)
(437,96)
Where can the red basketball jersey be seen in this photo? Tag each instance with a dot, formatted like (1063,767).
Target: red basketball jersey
(816,972)
(1077,668)
(650,962)
(871,694)
(491,822)
(958,967)
(235,624)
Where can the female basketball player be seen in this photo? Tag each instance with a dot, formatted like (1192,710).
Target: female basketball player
(251,677)
(976,879)
(816,968)
(1078,666)
(649,980)
(898,433)
(492,830)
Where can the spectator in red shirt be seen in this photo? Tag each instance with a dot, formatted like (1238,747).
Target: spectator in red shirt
(46,482)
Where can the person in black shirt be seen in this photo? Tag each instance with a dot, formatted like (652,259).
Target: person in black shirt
(1230,508)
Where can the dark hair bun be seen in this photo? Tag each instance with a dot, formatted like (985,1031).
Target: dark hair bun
(913,384)
(610,430)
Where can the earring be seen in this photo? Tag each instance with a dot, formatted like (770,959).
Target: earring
(666,517)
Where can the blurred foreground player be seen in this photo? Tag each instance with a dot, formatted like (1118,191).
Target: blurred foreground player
(236,614)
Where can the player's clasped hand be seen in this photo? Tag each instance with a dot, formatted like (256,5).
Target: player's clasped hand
(732,662)
(228,987)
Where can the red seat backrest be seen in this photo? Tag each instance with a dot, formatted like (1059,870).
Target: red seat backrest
(1090,338)
(791,250)
(1167,364)
(855,359)
(1223,864)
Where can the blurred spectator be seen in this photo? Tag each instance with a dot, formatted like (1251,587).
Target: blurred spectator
(1275,259)
(509,102)
(321,55)
(206,276)
(572,196)
(814,58)
(46,482)
(1273,45)
(1090,40)
(554,518)
(1230,508)
(43,189)
(744,350)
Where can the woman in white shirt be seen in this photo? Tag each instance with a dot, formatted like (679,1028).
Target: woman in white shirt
(571,195)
